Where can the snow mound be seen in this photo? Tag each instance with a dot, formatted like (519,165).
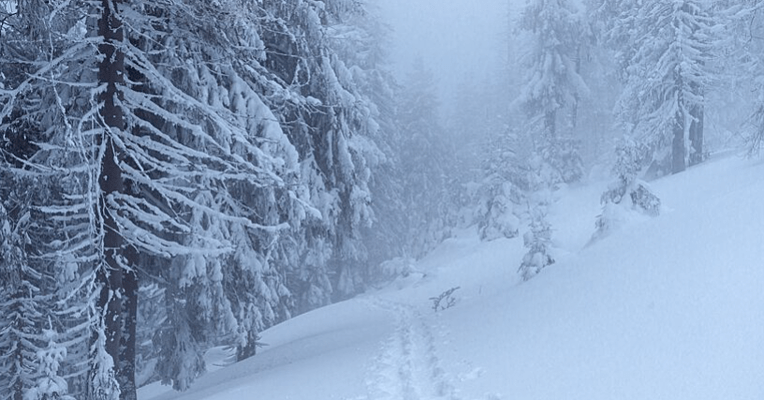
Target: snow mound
(670,307)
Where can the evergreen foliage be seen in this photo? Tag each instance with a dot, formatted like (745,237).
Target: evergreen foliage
(554,85)
(220,160)
(667,76)
(499,194)
(628,193)
(50,385)
(538,240)
(423,156)
(746,65)
(182,174)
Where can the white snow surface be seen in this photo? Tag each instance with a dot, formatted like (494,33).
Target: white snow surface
(664,308)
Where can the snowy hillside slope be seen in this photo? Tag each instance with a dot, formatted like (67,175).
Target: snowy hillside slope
(664,308)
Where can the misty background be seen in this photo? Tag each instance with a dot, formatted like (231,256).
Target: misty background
(456,39)
(179,177)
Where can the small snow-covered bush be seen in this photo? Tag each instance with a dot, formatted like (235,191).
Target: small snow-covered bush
(538,241)
(496,218)
(628,194)
(49,385)
(495,212)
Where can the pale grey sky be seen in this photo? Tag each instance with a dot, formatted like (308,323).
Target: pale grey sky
(454,37)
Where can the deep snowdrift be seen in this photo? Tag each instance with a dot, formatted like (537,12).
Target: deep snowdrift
(664,308)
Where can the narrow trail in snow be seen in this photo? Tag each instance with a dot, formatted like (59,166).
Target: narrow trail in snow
(408,367)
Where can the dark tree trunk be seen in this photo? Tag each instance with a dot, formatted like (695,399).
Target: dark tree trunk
(126,366)
(118,285)
(249,349)
(110,272)
(678,152)
(696,135)
(550,124)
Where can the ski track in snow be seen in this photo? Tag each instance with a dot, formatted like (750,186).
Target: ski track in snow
(408,367)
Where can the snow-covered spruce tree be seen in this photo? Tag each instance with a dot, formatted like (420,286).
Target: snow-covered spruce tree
(291,34)
(40,48)
(245,197)
(356,36)
(50,384)
(537,240)
(613,23)
(499,195)
(754,139)
(555,35)
(361,41)
(41,288)
(17,291)
(667,77)
(743,60)
(628,193)
(481,148)
(423,154)
(536,181)
(146,139)
(325,116)
(152,314)
(18,299)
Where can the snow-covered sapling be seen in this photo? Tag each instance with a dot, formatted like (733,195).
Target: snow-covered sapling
(50,385)
(537,240)
(628,193)
(495,214)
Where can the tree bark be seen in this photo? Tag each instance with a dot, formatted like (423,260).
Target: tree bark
(678,151)
(118,285)
(696,135)
(126,366)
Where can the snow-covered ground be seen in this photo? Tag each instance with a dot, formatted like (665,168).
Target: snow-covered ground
(664,308)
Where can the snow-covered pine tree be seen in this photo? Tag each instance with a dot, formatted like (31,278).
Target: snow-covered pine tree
(40,48)
(237,216)
(152,314)
(667,77)
(292,61)
(628,193)
(537,182)
(550,97)
(754,139)
(743,61)
(183,128)
(171,166)
(41,287)
(361,41)
(613,23)
(501,189)
(480,145)
(18,295)
(50,384)
(348,18)
(423,153)
(538,241)
(326,117)
(499,195)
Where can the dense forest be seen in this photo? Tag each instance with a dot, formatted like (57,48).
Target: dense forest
(182,174)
